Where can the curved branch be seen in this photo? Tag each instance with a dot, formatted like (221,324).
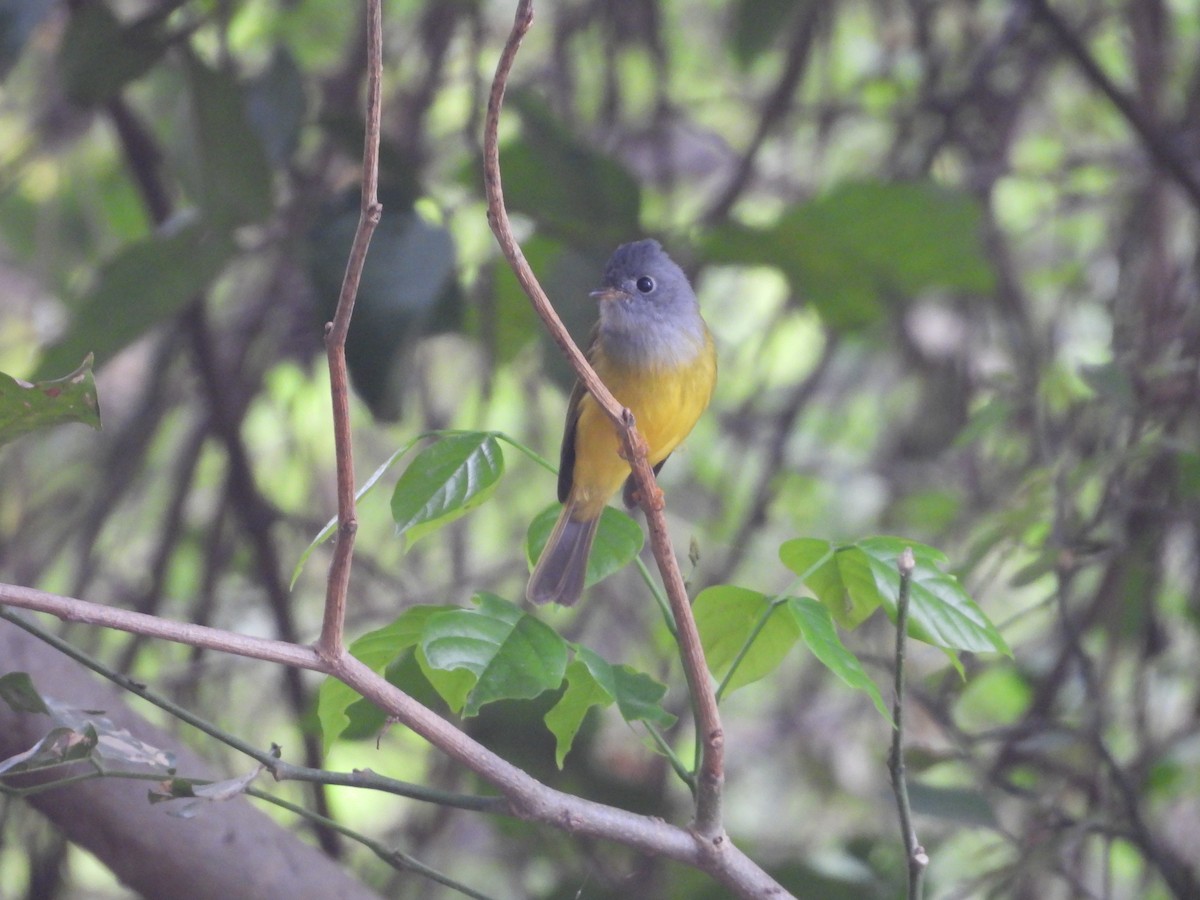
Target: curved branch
(711,736)
(332,643)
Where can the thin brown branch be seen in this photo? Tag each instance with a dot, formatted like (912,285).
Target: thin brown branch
(331,643)
(710,735)
(526,797)
(69,609)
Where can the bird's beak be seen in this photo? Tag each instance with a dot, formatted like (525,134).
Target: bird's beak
(607,293)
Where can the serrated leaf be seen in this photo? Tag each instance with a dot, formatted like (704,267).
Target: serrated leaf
(26,407)
(728,618)
(619,540)
(17,690)
(445,481)
(512,655)
(144,284)
(816,627)
(375,649)
(940,610)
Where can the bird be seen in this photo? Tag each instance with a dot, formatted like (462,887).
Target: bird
(654,352)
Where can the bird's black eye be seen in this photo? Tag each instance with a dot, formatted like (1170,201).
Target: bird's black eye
(645,284)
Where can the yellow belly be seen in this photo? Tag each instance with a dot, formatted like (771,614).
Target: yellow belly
(665,403)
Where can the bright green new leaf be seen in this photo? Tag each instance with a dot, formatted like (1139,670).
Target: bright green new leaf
(375,649)
(816,562)
(512,655)
(26,407)
(728,617)
(446,480)
(816,627)
(618,541)
(940,611)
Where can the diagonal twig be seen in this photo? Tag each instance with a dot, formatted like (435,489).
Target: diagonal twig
(711,736)
(331,644)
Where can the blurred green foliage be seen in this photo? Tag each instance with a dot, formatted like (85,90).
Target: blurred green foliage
(953,293)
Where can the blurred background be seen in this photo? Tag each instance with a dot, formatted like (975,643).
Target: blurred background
(949,254)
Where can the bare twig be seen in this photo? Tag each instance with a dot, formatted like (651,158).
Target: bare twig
(331,643)
(526,797)
(711,735)
(917,858)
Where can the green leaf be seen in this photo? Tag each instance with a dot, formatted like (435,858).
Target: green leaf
(940,611)
(26,407)
(17,690)
(619,540)
(816,628)
(512,655)
(757,25)
(816,562)
(863,245)
(593,681)
(98,55)
(231,180)
(638,696)
(375,649)
(445,481)
(143,285)
(592,199)
(566,716)
(728,617)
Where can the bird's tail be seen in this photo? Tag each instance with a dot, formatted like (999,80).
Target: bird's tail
(559,574)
